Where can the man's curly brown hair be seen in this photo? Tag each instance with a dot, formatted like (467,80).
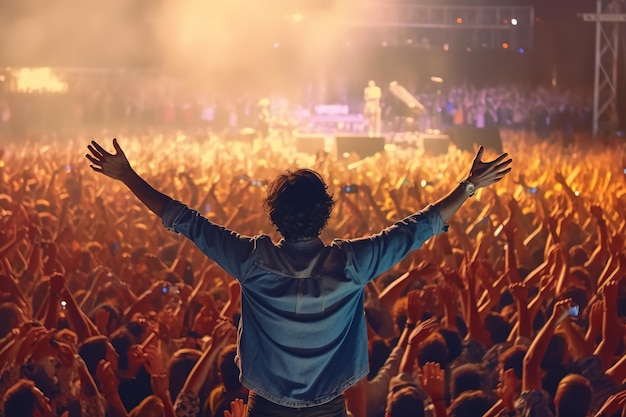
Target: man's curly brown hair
(298,204)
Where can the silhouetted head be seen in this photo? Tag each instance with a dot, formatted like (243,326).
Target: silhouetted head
(95,349)
(404,399)
(469,404)
(573,396)
(298,204)
(24,399)
(180,366)
(229,371)
(497,327)
(12,317)
(466,377)
(433,349)
(510,372)
(151,406)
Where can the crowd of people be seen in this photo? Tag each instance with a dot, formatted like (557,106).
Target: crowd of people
(509,107)
(136,100)
(518,309)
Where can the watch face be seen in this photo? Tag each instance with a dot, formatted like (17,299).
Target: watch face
(470,188)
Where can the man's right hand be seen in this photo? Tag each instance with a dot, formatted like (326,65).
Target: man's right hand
(115,165)
(483,174)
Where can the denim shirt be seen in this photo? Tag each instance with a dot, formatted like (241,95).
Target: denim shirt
(302,334)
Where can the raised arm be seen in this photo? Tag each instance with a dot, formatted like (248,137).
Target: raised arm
(221,336)
(79,321)
(531,377)
(417,336)
(601,252)
(394,291)
(482,174)
(116,166)
(611,331)
(232,305)
(520,294)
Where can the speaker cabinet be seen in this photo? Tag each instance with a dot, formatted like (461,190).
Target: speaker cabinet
(311,144)
(434,145)
(363,146)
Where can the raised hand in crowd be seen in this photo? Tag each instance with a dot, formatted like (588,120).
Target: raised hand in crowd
(237,409)
(432,378)
(160,384)
(108,385)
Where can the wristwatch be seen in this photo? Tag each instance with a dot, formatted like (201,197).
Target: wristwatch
(469,187)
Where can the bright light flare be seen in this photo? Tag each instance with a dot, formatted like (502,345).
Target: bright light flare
(30,80)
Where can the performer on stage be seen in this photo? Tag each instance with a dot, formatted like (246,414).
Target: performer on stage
(372,94)
(264,118)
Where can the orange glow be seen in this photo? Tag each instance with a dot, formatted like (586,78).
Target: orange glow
(30,80)
(505,45)
(459,20)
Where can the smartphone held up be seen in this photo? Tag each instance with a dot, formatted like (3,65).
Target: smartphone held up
(573,311)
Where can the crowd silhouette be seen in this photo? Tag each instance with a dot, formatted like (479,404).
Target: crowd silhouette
(518,309)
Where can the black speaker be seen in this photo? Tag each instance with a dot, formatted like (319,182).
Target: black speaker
(363,146)
(466,137)
(311,144)
(435,144)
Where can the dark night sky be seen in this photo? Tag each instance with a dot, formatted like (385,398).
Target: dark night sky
(552,8)
(563,38)
(562,42)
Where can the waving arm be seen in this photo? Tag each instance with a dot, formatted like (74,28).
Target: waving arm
(116,166)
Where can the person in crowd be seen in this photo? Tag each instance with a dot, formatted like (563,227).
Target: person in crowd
(573,396)
(231,388)
(289,354)
(24,399)
(373,110)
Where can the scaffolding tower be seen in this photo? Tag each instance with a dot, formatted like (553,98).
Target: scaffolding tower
(607,18)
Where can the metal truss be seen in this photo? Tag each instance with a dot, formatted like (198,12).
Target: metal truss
(396,24)
(607,18)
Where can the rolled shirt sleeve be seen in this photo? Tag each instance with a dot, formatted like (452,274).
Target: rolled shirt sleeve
(227,248)
(370,256)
